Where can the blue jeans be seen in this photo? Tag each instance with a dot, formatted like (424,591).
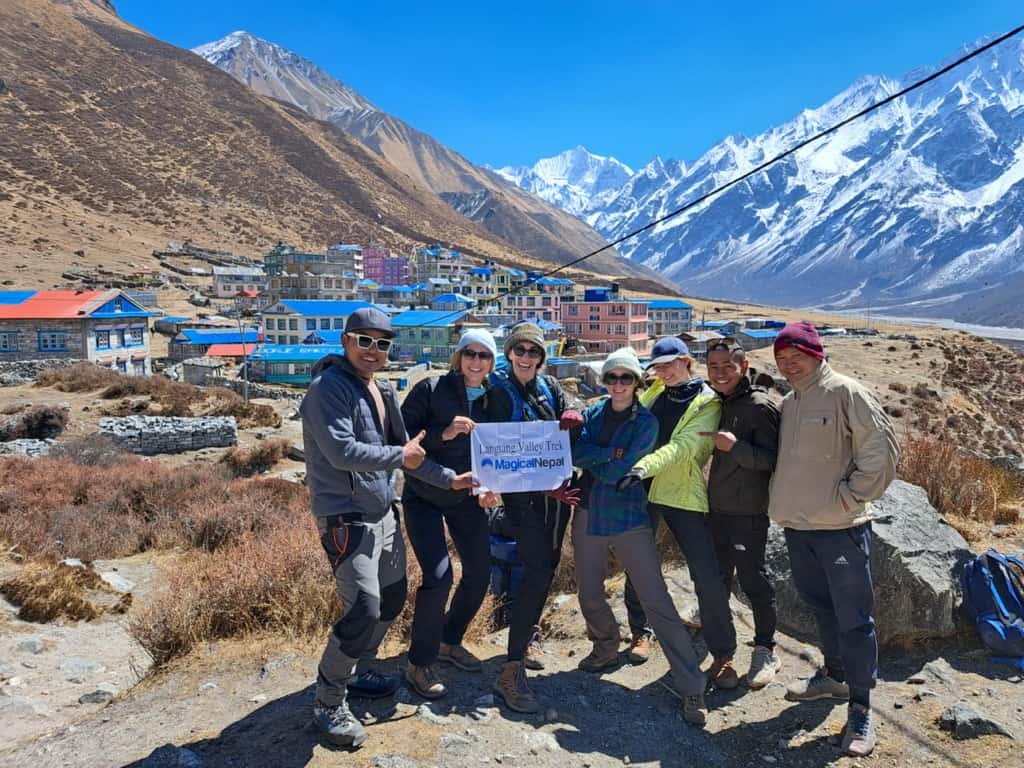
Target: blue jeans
(692,532)
(468,528)
(832,574)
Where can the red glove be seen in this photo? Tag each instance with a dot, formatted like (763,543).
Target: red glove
(568,496)
(570,420)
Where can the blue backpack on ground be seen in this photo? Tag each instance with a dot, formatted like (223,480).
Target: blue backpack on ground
(993,588)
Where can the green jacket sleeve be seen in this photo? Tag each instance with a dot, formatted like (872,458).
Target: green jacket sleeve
(686,444)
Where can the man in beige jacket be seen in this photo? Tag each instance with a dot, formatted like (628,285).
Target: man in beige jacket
(837,454)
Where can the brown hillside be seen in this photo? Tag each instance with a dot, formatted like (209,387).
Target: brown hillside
(115,143)
(519,218)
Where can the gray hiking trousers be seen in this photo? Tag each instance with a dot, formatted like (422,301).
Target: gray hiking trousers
(636,551)
(368,560)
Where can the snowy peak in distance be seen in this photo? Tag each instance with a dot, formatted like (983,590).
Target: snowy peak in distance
(279,73)
(570,180)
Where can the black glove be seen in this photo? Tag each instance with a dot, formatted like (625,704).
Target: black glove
(631,478)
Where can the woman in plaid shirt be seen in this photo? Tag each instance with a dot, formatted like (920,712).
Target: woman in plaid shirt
(618,432)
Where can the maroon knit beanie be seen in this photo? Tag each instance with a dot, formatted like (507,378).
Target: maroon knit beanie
(803,336)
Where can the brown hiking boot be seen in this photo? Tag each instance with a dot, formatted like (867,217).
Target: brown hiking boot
(722,674)
(639,649)
(599,661)
(459,657)
(534,658)
(511,686)
(425,682)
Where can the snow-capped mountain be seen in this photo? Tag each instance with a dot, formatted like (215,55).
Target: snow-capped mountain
(916,209)
(574,180)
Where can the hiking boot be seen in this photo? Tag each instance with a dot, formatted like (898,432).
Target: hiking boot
(763,666)
(424,681)
(597,661)
(534,658)
(458,656)
(338,725)
(821,686)
(859,731)
(511,686)
(639,649)
(373,685)
(695,711)
(723,674)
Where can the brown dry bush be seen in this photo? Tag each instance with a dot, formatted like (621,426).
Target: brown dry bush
(274,582)
(133,505)
(246,462)
(39,422)
(80,377)
(47,590)
(224,402)
(964,489)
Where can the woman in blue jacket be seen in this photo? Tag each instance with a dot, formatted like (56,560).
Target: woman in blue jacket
(617,432)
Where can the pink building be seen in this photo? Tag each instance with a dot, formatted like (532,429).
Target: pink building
(604,322)
(383,268)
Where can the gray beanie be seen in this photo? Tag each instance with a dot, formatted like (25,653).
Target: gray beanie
(525,331)
(625,359)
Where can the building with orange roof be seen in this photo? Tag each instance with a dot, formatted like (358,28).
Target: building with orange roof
(104,327)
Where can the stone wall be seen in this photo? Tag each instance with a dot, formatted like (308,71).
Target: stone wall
(27,334)
(14,373)
(255,389)
(150,435)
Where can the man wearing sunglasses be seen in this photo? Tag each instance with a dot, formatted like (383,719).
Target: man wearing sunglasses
(741,469)
(355,442)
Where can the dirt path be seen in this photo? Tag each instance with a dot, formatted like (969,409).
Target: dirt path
(247,704)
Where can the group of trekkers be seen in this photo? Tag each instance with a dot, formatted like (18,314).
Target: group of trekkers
(812,466)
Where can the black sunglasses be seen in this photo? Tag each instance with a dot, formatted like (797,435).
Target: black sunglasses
(472,354)
(368,342)
(618,378)
(725,345)
(535,352)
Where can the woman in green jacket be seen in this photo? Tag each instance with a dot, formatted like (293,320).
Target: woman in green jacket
(685,407)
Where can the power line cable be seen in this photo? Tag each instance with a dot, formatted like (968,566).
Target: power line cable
(743,177)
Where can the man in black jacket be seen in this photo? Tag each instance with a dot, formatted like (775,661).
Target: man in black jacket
(741,468)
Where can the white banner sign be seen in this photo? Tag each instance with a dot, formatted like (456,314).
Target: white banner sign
(512,457)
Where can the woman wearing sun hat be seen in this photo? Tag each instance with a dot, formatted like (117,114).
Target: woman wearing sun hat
(617,432)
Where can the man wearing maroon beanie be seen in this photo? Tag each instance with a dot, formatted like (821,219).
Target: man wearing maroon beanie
(837,454)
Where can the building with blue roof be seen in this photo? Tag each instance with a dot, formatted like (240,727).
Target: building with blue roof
(288,363)
(667,317)
(451,302)
(429,333)
(757,338)
(289,321)
(195,342)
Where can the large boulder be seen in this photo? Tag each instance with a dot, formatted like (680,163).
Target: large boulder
(915,561)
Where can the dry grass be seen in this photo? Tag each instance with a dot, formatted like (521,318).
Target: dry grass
(964,489)
(246,462)
(48,590)
(165,397)
(272,582)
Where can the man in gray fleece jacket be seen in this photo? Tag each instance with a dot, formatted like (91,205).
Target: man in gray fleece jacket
(355,441)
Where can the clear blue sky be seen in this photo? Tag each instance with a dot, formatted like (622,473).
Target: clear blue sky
(508,83)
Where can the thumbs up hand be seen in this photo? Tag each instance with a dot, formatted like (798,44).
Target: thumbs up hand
(413,453)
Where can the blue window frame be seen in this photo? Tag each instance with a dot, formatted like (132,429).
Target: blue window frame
(310,324)
(339,323)
(8,341)
(325,323)
(52,341)
(102,339)
(138,336)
